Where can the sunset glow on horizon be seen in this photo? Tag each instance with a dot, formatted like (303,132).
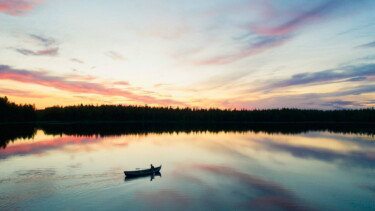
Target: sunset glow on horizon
(250,54)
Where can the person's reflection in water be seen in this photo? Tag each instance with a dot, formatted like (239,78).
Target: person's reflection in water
(153,172)
(154,175)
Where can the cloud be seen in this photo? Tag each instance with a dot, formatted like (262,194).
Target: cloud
(286,25)
(305,101)
(20,93)
(348,72)
(17,7)
(43,41)
(367,45)
(262,44)
(367,58)
(357,90)
(370,101)
(26,52)
(77,60)
(114,55)
(122,83)
(50,52)
(161,85)
(45,52)
(339,103)
(49,47)
(360,78)
(275,27)
(63,83)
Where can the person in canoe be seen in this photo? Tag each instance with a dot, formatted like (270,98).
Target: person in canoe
(152,168)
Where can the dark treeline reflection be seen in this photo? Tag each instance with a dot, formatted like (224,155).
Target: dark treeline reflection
(11,132)
(10,112)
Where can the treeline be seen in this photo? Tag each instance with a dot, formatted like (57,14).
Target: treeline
(168,114)
(10,112)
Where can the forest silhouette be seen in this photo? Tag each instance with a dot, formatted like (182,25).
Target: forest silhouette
(11,112)
(22,121)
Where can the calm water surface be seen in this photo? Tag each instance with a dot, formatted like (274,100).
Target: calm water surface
(201,171)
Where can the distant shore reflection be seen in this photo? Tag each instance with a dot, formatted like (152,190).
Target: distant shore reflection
(9,133)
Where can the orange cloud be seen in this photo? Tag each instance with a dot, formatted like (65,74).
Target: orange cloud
(63,83)
(20,93)
(122,83)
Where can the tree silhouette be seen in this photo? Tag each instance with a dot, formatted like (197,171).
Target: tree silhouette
(10,112)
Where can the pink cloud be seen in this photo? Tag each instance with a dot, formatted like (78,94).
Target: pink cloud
(80,77)
(17,7)
(46,52)
(122,83)
(49,45)
(51,52)
(284,22)
(63,83)
(275,26)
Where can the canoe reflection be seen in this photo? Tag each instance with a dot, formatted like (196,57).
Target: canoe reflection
(151,176)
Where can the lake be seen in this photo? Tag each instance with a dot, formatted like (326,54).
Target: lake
(47,168)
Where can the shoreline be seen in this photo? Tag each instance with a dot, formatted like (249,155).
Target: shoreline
(188,122)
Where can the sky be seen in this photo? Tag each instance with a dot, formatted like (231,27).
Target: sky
(243,54)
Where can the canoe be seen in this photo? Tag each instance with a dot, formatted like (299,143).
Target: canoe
(150,177)
(143,172)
